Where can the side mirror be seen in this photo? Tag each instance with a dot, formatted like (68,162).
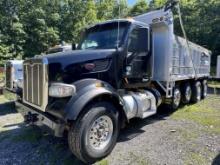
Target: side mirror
(74,46)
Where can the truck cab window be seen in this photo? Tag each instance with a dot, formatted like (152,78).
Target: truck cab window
(106,36)
(137,62)
(138,41)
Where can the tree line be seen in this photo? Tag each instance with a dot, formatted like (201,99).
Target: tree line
(30,27)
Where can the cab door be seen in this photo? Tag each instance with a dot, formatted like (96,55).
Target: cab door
(138,54)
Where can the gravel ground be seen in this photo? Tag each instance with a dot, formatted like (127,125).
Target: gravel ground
(163,139)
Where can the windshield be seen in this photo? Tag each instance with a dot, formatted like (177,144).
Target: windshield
(104,36)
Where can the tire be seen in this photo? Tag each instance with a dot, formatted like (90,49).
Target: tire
(84,131)
(204,89)
(186,93)
(196,92)
(176,98)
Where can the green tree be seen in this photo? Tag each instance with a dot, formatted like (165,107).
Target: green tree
(122,7)
(30,27)
(12,34)
(5,53)
(40,35)
(105,9)
(139,8)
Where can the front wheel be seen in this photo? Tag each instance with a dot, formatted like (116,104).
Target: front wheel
(94,135)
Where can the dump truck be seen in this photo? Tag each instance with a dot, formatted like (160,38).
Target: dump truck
(121,69)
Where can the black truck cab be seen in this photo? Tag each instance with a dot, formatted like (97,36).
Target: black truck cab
(110,51)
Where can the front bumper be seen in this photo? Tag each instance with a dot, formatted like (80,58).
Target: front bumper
(35,117)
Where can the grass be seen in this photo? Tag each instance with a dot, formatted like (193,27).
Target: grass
(1,75)
(9,96)
(102,162)
(187,135)
(214,84)
(195,158)
(2,79)
(137,159)
(3,99)
(205,113)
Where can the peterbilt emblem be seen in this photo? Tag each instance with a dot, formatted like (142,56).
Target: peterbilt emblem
(31,62)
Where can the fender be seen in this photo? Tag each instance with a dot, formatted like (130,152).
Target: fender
(87,90)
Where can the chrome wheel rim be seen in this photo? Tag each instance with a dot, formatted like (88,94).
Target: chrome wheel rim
(188,93)
(205,89)
(100,133)
(198,92)
(177,97)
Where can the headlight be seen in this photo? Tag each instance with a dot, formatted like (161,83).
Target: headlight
(61,90)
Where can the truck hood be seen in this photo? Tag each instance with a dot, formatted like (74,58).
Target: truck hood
(78,56)
(68,66)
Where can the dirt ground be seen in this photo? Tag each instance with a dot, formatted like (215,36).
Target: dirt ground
(188,136)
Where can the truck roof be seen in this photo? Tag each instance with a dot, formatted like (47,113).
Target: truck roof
(129,20)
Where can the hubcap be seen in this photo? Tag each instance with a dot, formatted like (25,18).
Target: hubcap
(177,97)
(198,92)
(205,89)
(101,132)
(188,93)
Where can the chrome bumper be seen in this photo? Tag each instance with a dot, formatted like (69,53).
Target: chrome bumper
(35,117)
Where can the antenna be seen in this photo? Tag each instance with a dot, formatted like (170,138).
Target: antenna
(119,12)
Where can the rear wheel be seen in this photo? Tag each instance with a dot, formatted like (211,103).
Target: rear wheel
(94,135)
(204,89)
(176,98)
(196,92)
(186,93)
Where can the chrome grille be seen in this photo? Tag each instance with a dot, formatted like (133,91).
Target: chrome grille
(35,90)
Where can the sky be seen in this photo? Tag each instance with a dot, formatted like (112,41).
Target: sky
(132,2)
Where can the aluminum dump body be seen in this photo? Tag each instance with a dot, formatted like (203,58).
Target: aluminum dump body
(173,60)
(218,67)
